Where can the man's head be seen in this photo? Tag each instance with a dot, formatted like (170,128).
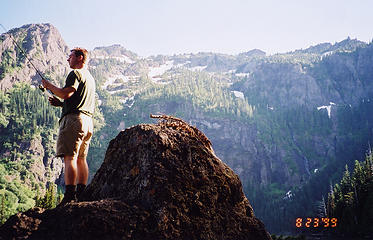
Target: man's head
(77,58)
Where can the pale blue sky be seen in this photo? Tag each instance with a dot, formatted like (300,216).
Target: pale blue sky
(151,27)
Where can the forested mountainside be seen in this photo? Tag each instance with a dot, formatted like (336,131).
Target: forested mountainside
(284,122)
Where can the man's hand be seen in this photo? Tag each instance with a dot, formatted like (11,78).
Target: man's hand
(45,83)
(55,101)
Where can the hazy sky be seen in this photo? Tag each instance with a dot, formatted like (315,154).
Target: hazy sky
(151,27)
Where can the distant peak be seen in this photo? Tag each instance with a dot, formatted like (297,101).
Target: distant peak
(113,50)
(252,53)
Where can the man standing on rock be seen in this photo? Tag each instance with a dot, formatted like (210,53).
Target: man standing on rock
(76,125)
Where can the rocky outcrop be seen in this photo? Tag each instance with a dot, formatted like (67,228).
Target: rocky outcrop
(43,45)
(158,181)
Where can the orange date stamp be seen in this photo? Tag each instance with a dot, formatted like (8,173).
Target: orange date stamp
(316,222)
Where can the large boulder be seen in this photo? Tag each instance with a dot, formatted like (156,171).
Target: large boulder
(158,181)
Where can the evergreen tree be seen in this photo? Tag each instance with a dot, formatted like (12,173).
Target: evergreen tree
(2,210)
(351,200)
(50,199)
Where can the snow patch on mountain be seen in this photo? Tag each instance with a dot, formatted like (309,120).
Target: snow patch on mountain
(239,94)
(242,74)
(198,68)
(128,101)
(155,73)
(328,108)
(113,78)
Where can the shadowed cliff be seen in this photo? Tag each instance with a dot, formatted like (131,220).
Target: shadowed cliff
(158,181)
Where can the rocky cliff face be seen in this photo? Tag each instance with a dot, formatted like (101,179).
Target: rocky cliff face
(45,168)
(43,45)
(157,182)
(240,147)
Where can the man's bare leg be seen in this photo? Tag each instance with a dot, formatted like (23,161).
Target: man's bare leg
(82,177)
(83,171)
(71,170)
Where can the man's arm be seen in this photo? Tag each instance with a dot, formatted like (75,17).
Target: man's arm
(63,93)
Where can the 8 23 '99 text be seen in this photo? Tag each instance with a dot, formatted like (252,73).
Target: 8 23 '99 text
(316,222)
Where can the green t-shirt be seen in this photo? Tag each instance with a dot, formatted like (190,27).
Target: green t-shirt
(83,100)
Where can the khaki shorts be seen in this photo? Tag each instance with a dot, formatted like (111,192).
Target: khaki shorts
(75,135)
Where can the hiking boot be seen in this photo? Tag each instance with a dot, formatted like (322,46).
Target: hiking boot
(79,191)
(70,195)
